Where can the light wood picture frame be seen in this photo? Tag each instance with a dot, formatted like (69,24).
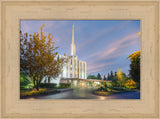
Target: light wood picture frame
(12,11)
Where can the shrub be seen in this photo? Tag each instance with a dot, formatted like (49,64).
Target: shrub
(25,82)
(102,89)
(65,85)
(34,92)
(22,87)
(48,85)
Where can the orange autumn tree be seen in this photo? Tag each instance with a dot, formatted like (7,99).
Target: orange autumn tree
(38,57)
(120,77)
(135,57)
(130,82)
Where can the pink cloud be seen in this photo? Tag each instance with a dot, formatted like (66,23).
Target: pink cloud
(112,51)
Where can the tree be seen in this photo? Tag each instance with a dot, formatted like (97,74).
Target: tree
(111,76)
(135,57)
(134,71)
(115,80)
(90,83)
(38,57)
(49,79)
(130,82)
(91,77)
(120,77)
(108,76)
(104,78)
(115,76)
(99,76)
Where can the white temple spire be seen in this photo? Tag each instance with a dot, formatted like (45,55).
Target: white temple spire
(73,34)
(73,48)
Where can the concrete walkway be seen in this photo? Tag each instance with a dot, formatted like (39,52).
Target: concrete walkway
(65,89)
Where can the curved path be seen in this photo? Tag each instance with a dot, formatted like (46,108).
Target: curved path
(86,93)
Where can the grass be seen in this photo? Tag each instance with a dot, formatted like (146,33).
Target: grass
(112,91)
(34,92)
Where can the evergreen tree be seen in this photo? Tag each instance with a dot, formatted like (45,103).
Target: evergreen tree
(134,71)
(111,76)
(104,78)
(99,76)
(108,77)
(115,76)
(91,77)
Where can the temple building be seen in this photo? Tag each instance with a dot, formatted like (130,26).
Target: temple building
(74,68)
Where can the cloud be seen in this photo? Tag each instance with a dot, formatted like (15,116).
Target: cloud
(94,71)
(95,37)
(114,50)
(122,43)
(102,32)
(93,66)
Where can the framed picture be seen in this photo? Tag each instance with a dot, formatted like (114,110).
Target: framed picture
(79,59)
(98,65)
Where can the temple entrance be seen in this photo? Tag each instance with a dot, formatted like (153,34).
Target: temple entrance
(85,83)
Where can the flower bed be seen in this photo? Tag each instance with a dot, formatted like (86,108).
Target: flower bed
(103,93)
(109,91)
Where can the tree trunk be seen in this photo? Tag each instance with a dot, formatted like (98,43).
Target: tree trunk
(34,83)
(37,85)
(49,78)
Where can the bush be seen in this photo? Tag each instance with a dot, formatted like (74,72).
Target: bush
(34,92)
(48,85)
(65,85)
(25,82)
(102,89)
(22,87)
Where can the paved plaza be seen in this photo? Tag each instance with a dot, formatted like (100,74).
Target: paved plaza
(87,93)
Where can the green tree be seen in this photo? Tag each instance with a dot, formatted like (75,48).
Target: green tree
(38,57)
(104,78)
(99,76)
(91,77)
(115,80)
(134,71)
(108,76)
(111,76)
(115,76)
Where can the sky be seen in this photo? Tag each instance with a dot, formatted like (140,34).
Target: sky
(103,44)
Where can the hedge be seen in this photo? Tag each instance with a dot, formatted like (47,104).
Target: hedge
(65,85)
(48,85)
